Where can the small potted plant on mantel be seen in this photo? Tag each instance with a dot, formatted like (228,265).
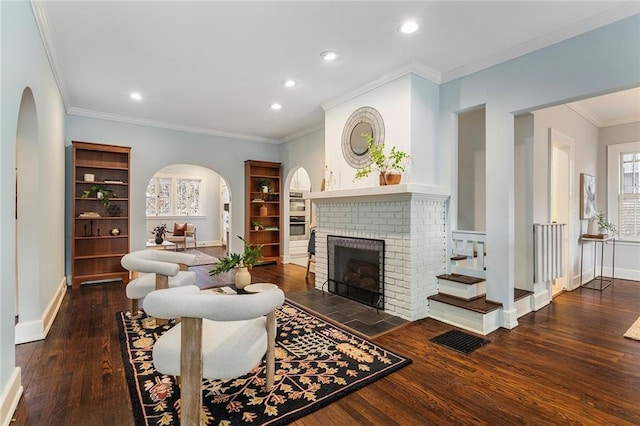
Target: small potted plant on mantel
(389,166)
(242,261)
(256,225)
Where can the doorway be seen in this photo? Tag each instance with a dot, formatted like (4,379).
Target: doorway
(298,217)
(561,209)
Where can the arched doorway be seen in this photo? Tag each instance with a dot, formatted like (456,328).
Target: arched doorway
(27,235)
(297,216)
(186,193)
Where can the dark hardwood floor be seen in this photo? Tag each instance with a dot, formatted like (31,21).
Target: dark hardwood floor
(565,364)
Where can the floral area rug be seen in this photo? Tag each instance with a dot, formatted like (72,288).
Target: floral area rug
(316,364)
(202,258)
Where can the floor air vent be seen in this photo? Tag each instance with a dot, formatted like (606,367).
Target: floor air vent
(460,341)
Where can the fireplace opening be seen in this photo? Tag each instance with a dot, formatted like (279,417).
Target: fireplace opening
(356,269)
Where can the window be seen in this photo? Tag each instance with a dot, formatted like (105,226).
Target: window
(623,189)
(159,197)
(174,196)
(188,197)
(629,196)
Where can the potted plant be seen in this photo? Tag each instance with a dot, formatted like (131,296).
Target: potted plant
(243,261)
(256,225)
(265,185)
(101,193)
(159,231)
(603,226)
(388,165)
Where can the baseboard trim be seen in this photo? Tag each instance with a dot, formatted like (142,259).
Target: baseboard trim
(626,274)
(31,331)
(10,397)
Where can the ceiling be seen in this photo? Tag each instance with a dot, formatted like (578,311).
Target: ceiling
(215,67)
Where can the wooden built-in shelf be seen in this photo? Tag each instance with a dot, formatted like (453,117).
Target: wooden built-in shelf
(97,257)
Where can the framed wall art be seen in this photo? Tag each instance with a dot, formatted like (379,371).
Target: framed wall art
(587,196)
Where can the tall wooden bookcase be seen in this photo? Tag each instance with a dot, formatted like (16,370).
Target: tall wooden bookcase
(100,235)
(264,208)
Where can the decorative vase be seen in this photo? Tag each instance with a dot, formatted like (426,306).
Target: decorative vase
(115,232)
(159,239)
(243,277)
(390,178)
(592,227)
(263,210)
(265,188)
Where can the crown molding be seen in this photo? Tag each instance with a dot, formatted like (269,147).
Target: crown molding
(605,18)
(413,67)
(594,119)
(166,125)
(42,22)
(584,112)
(305,132)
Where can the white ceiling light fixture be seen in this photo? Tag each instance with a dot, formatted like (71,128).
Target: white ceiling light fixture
(136,96)
(409,27)
(288,83)
(329,55)
(275,106)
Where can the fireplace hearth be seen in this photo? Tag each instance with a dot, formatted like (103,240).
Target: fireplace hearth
(356,269)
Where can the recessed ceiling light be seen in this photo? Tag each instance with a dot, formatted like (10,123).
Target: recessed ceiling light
(409,27)
(288,83)
(136,96)
(276,106)
(329,55)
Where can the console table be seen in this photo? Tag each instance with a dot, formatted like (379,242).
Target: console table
(603,283)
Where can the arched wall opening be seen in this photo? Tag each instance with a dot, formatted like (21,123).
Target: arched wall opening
(298,216)
(27,215)
(186,193)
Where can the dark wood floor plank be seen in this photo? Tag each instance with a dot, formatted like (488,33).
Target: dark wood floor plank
(565,364)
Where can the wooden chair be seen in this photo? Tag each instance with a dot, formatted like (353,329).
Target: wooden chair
(186,239)
(155,270)
(219,337)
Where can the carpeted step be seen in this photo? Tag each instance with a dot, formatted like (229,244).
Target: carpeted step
(459,278)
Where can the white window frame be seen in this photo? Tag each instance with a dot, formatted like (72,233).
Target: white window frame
(173,212)
(614,174)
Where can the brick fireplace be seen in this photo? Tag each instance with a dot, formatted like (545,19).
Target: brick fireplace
(409,218)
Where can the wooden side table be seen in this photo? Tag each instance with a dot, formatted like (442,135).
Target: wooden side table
(598,283)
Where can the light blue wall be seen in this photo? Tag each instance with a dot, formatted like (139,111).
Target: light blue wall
(154,148)
(25,64)
(598,62)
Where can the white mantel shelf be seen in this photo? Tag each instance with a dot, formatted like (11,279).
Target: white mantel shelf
(403,191)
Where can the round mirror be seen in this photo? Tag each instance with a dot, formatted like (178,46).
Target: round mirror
(355,149)
(358,142)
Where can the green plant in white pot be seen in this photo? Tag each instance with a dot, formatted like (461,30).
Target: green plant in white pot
(390,166)
(243,261)
(603,225)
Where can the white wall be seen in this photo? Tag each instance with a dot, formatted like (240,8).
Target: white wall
(585,135)
(627,263)
(584,66)
(409,107)
(471,171)
(24,64)
(155,148)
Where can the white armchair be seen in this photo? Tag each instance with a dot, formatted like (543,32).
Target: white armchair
(155,270)
(219,337)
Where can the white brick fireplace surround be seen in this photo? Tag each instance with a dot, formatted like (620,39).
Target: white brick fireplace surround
(410,218)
